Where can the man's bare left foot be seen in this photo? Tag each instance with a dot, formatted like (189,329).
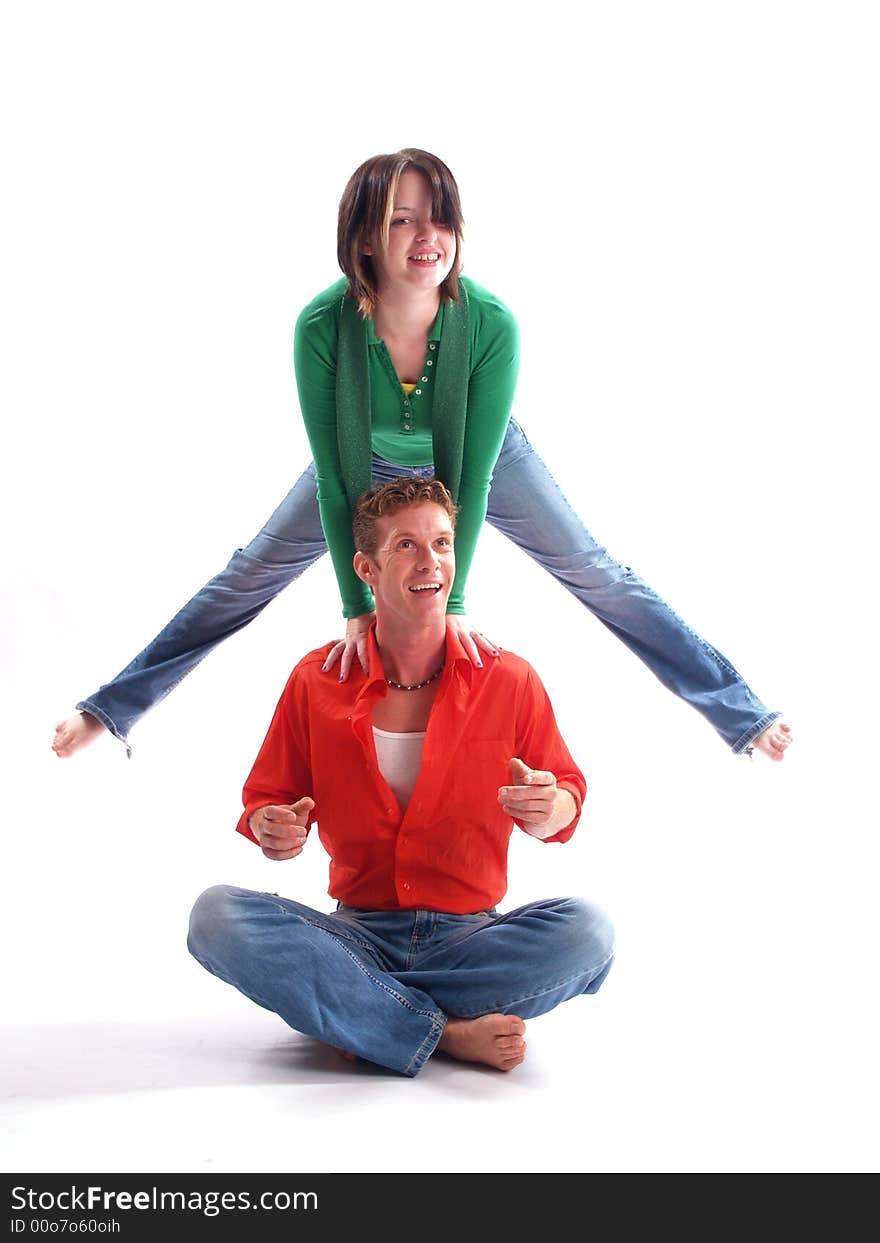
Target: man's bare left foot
(494,1039)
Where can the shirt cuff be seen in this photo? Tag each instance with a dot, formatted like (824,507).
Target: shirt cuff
(564,834)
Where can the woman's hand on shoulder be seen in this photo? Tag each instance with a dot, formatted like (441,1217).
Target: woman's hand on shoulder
(473,641)
(354,644)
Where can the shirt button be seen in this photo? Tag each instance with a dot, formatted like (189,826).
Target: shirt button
(405,885)
(424,379)
(418,392)
(406,427)
(430,362)
(431,345)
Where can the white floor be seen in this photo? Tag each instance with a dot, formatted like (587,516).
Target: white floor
(616,1085)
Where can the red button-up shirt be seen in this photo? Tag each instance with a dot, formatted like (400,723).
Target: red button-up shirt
(448,851)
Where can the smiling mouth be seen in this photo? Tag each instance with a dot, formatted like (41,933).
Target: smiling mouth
(426,588)
(427,257)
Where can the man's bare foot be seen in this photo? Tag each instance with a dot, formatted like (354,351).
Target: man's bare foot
(75,733)
(495,1039)
(349,1057)
(775,739)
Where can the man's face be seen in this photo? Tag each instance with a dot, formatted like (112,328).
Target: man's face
(412,571)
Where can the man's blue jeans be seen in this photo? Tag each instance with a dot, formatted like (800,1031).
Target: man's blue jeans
(525,504)
(381,984)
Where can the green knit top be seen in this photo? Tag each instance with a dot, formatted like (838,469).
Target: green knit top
(353,404)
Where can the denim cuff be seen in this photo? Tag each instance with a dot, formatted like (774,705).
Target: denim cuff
(752,732)
(93,710)
(427,1047)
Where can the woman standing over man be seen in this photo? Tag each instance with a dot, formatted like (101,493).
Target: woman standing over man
(404,366)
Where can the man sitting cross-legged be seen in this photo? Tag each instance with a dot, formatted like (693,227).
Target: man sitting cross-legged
(414,774)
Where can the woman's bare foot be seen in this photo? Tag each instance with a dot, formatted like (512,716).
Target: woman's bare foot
(775,740)
(495,1040)
(75,733)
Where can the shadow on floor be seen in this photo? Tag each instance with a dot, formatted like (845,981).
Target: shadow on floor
(90,1059)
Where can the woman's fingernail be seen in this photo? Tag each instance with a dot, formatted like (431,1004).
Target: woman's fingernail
(494,653)
(479,663)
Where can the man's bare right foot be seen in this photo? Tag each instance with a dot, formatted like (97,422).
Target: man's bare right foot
(494,1039)
(75,733)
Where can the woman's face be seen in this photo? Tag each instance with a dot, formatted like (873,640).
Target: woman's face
(420,251)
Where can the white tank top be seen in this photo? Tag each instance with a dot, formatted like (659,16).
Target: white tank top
(400,758)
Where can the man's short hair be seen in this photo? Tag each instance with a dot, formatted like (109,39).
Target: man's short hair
(392,496)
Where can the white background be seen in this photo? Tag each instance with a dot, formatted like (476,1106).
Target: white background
(679,201)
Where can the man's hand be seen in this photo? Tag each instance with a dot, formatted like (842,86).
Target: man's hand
(281,831)
(535,801)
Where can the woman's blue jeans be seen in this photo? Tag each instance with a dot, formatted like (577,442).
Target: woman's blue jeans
(525,504)
(381,984)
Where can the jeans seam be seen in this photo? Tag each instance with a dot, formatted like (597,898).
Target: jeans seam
(427,1047)
(365,945)
(398,997)
(504,1005)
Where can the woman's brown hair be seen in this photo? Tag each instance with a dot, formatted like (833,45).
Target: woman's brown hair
(365,213)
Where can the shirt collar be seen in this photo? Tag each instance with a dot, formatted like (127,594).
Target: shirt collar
(457,658)
(376,680)
(434,332)
(458,663)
